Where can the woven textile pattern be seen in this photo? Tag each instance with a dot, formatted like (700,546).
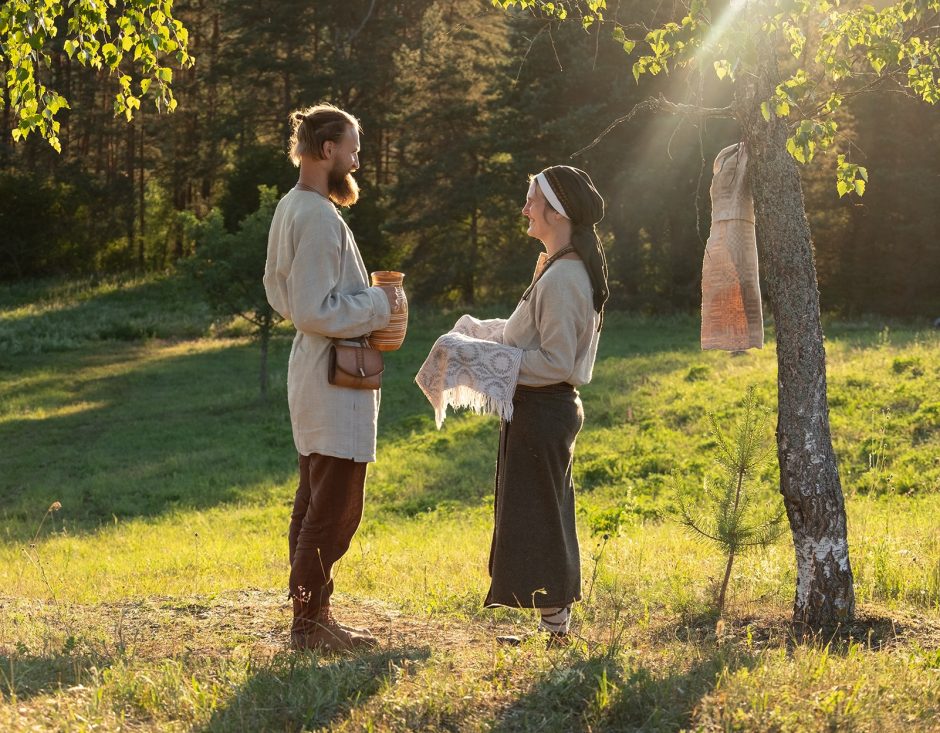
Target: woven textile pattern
(469,367)
(731,302)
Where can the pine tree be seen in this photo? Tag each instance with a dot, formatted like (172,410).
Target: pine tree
(734,521)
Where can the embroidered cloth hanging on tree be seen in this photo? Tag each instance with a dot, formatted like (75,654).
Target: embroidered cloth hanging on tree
(731,304)
(468,367)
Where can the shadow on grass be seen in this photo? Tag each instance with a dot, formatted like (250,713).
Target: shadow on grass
(603,692)
(870,629)
(288,692)
(132,431)
(29,675)
(302,691)
(72,314)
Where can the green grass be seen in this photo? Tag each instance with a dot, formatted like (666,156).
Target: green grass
(155,598)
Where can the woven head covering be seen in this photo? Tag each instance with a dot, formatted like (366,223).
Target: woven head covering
(584,207)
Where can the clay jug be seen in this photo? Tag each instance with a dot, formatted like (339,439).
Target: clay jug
(391,337)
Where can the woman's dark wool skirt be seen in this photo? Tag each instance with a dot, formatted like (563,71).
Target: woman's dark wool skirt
(534,558)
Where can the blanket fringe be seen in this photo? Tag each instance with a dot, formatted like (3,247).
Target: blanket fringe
(464,397)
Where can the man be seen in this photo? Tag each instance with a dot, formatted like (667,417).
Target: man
(314,276)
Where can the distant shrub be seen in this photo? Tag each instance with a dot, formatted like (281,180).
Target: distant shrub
(609,521)
(902,364)
(600,471)
(656,463)
(698,373)
(228,267)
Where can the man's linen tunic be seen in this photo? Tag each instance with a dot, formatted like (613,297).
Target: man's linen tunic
(315,277)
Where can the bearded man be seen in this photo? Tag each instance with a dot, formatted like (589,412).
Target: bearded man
(315,277)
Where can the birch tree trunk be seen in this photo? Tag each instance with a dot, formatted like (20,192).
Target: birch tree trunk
(809,476)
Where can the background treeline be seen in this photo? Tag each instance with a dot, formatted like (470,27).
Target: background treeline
(459,103)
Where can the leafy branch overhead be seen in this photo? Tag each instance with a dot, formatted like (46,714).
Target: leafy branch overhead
(836,50)
(132,39)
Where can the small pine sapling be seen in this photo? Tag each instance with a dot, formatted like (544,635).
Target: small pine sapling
(729,516)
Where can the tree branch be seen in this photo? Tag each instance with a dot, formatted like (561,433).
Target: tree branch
(362,25)
(691,525)
(661,104)
(528,50)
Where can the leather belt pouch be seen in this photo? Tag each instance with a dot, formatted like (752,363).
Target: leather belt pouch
(355,366)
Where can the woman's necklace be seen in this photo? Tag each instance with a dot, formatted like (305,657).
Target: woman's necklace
(548,263)
(557,256)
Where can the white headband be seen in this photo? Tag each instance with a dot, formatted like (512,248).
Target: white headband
(550,195)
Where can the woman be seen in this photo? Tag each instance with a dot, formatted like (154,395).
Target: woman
(534,557)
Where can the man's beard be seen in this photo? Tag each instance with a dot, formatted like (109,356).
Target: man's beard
(344,191)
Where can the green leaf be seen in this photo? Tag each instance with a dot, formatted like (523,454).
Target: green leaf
(796,150)
(765,111)
(110,53)
(628,46)
(860,187)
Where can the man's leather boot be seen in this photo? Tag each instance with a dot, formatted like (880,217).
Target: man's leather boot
(347,627)
(322,632)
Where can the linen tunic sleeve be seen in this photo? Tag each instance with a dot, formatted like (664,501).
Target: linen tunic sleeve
(316,302)
(559,320)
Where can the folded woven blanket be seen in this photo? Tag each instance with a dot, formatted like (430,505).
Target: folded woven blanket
(469,367)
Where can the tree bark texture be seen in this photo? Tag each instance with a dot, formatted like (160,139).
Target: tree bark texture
(809,476)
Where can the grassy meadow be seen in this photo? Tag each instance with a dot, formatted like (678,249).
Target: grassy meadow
(154,599)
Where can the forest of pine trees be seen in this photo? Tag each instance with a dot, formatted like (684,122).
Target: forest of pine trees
(459,103)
